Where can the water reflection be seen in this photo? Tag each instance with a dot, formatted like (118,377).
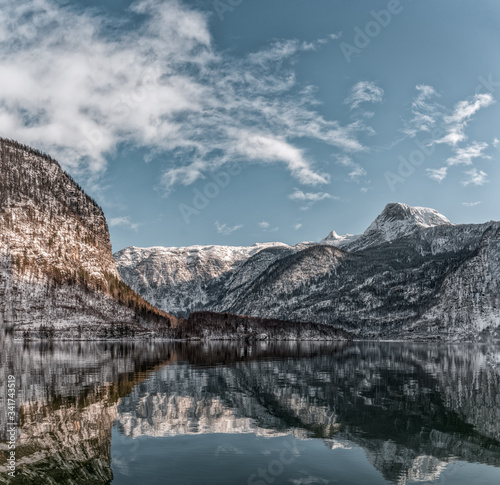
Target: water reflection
(397,413)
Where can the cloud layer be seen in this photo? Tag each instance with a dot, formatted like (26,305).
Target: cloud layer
(457,121)
(226,229)
(76,86)
(364,92)
(448,127)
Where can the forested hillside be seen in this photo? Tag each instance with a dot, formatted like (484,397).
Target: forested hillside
(56,266)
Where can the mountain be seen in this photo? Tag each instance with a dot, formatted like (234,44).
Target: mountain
(186,279)
(411,274)
(57,272)
(397,220)
(339,241)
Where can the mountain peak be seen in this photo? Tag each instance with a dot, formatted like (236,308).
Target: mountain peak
(333,239)
(398,220)
(406,216)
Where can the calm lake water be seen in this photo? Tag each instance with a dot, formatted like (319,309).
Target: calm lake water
(288,413)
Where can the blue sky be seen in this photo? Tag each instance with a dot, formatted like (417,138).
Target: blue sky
(234,122)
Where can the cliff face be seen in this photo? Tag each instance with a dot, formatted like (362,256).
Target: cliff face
(56,263)
(412,274)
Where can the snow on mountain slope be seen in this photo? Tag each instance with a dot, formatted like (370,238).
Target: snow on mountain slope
(395,221)
(291,274)
(184,279)
(412,273)
(470,295)
(406,288)
(333,239)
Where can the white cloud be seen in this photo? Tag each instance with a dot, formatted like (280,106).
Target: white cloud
(280,50)
(448,127)
(428,115)
(223,228)
(475,177)
(425,92)
(74,87)
(308,199)
(464,156)
(496,141)
(471,204)
(267,148)
(425,112)
(356,170)
(297,226)
(465,109)
(123,221)
(364,92)
(266,227)
(456,122)
(438,174)
(299,195)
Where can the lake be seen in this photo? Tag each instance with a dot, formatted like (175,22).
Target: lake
(295,413)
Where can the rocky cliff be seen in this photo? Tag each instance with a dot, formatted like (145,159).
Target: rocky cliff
(56,266)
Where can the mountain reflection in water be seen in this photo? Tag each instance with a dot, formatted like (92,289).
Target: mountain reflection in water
(203,413)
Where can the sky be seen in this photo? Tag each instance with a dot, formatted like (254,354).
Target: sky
(241,121)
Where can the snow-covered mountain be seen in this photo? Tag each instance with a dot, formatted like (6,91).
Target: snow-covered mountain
(187,279)
(411,274)
(397,220)
(333,239)
(56,265)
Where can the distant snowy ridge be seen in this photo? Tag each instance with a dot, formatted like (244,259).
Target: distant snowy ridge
(184,279)
(333,239)
(411,274)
